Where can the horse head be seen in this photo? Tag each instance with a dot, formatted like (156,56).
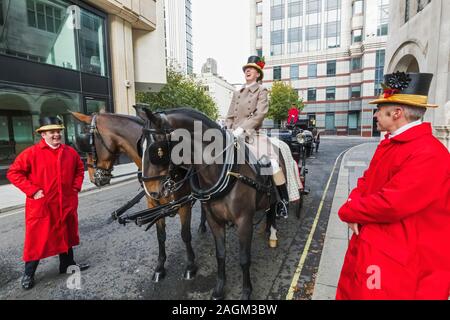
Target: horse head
(101,150)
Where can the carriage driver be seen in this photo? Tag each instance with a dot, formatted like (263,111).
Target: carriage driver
(246,114)
(50,174)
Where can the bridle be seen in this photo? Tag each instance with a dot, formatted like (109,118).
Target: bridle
(100,173)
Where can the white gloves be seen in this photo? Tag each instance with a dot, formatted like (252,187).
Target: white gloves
(238,132)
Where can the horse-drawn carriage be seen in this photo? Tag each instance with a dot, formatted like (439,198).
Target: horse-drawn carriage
(228,190)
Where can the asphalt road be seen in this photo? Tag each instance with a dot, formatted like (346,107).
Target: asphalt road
(123,258)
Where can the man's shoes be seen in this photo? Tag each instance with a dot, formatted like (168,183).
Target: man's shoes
(27,282)
(80,266)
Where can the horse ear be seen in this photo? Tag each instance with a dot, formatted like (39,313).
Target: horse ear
(154,118)
(140,112)
(82,117)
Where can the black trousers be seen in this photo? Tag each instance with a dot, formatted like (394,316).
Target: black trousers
(65,260)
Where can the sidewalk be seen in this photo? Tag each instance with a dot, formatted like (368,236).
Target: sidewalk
(354,163)
(12,198)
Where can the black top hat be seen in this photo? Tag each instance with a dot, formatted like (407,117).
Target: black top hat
(50,123)
(257,63)
(406,88)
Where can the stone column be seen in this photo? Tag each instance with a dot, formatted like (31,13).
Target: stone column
(122,64)
(442,132)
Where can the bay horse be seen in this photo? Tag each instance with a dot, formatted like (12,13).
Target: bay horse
(235,201)
(112,135)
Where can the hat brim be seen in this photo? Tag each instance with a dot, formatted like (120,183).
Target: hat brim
(50,127)
(258,68)
(396,100)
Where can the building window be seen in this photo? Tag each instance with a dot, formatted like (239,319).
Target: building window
(312,94)
(259,7)
(259,52)
(329,121)
(333,34)
(313,37)
(332,4)
(357,35)
(295,8)
(331,68)
(379,71)
(312,70)
(331,93)
(49,41)
(383,17)
(277,73)
(356,63)
(407,8)
(294,72)
(358,7)
(356,92)
(44,16)
(277,27)
(259,32)
(421,4)
(353,120)
(313,6)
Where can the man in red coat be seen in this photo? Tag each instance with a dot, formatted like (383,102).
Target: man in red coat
(51,175)
(400,210)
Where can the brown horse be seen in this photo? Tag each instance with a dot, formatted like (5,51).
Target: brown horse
(234,201)
(112,135)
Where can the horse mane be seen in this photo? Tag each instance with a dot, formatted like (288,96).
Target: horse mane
(124,116)
(197,115)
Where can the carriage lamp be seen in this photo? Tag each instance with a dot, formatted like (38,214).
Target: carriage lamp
(300,138)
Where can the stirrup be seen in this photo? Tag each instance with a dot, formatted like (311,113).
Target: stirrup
(282,209)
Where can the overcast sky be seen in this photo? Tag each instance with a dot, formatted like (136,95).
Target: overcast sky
(221,31)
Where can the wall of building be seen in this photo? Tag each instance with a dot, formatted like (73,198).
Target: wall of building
(218,89)
(423,44)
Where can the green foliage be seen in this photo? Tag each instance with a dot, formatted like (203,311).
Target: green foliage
(180,91)
(282,97)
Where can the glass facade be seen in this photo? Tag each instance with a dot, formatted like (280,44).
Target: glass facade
(63,49)
(312,94)
(42,32)
(21,108)
(277,29)
(383,17)
(331,68)
(331,93)
(379,71)
(277,73)
(294,72)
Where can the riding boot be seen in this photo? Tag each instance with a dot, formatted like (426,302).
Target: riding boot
(284,201)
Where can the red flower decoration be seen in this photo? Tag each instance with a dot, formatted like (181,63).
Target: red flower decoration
(261,64)
(390,92)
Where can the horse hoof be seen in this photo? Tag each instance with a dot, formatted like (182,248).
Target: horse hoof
(190,274)
(158,276)
(273,243)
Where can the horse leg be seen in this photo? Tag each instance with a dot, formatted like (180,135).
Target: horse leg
(245,233)
(160,271)
(202,226)
(185,218)
(271,226)
(218,231)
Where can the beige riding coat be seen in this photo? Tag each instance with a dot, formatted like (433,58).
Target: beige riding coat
(248,109)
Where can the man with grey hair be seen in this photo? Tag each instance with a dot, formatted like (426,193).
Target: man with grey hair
(400,210)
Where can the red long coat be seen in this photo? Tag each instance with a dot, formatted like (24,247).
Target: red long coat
(51,223)
(402,204)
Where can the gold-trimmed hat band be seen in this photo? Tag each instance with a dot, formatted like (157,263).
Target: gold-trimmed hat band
(407,97)
(50,127)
